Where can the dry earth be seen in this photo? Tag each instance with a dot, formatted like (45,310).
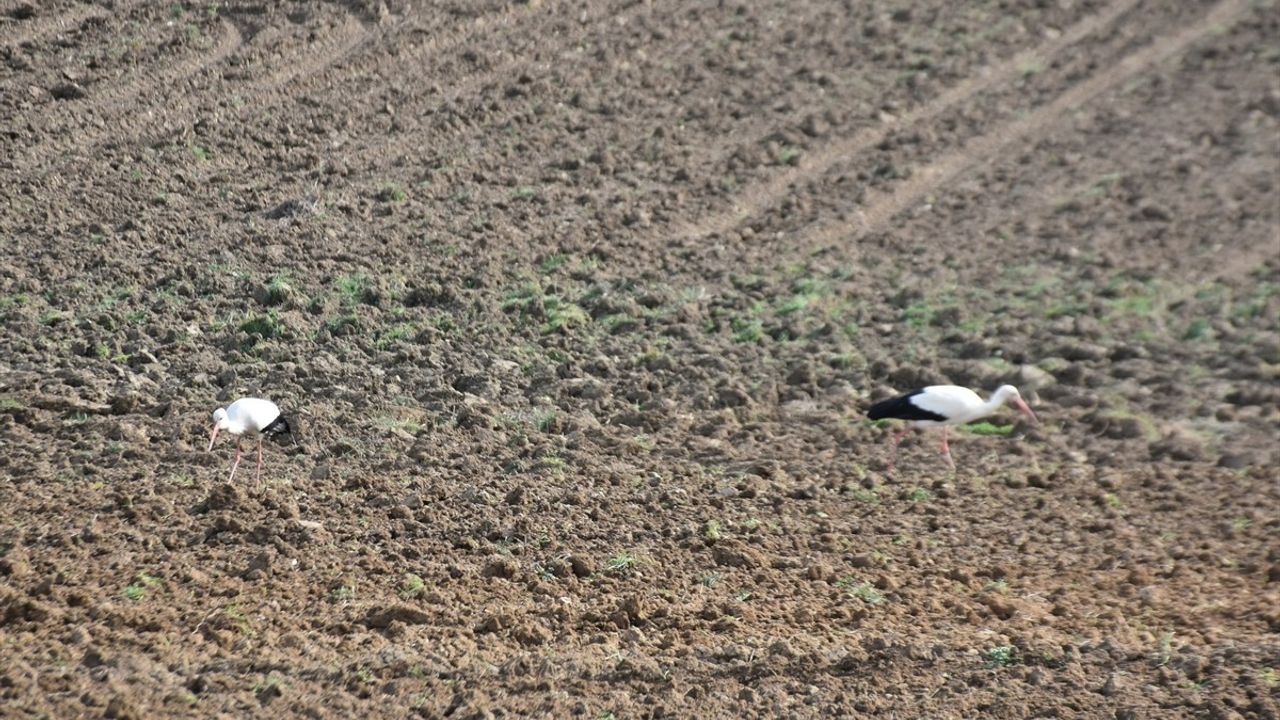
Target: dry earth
(577,306)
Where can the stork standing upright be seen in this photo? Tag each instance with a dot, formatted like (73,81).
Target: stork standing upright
(254,417)
(943,405)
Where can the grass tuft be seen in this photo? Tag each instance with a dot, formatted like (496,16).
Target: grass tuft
(621,564)
(986,428)
(866,592)
(413,586)
(1001,656)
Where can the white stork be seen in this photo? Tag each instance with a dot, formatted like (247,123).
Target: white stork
(254,417)
(944,405)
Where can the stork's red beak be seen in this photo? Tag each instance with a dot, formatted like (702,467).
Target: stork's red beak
(213,437)
(1026,410)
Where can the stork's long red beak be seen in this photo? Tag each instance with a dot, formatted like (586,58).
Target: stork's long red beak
(1026,410)
(213,437)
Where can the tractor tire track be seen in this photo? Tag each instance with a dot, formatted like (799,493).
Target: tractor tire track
(390,145)
(880,211)
(279,86)
(12,34)
(159,118)
(760,197)
(114,112)
(394,146)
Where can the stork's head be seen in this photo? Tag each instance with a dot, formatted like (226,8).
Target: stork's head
(220,422)
(1009,393)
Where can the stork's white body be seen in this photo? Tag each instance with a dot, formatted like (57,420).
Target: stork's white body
(958,405)
(248,417)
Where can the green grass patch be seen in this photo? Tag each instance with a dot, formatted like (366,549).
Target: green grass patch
(747,330)
(413,586)
(353,288)
(919,315)
(712,530)
(551,263)
(545,419)
(621,564)
(919,494)
(986,428)
(409,425)
(1001,656)
(789,155)
(1197,330)
(279,289)
(397,334)
(866,592)
(392,193)
(870,497)
(263,327)
(138,589)
(344,593)
(562,314)
(347,324)
(1066,308)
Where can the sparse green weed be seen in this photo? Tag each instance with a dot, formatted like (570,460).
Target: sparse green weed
(622,564)
(747,330)
(390,422)
(919,495)
(263,327)
(138,589)
(1001,656)
(866,592)
(392,193)
(986,428)
(353,288)
(552,262)
(344,593)
(413,586)
(711,531)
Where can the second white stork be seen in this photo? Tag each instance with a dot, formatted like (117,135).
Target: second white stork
(943,405)
(254,417)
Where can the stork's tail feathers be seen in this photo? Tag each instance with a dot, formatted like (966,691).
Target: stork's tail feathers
(279,426)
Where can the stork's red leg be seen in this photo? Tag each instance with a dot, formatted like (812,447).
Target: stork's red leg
(259,461)
(235,464)
(897,438)
(946,449)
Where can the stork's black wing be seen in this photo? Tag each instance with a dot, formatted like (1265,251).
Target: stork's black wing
(902,408)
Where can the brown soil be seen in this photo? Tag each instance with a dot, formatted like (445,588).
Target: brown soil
(577,307)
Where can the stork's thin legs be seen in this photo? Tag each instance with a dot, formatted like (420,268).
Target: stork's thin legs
(897,438)
(946,449)
(259,461)
(235,464)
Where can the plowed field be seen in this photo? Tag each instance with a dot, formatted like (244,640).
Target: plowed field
(577,307)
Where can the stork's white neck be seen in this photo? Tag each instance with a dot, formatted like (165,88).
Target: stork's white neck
(997,400)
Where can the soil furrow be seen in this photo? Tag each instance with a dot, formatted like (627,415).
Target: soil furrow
(579,383)
(758,198)
(113,111)
(16,32)
(878,211)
